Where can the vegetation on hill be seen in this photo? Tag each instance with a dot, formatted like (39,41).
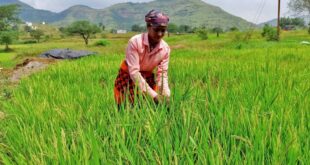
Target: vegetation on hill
(194,13)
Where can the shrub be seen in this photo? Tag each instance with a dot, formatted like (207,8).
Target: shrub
(102,42)
(241,37)
(270,33)
(47,37)
(36,34)
(202,33)
(30,42)
(233,29)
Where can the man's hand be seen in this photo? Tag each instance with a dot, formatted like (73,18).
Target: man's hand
(160,99)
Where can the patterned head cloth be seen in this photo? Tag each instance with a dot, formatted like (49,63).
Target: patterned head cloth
(156,18)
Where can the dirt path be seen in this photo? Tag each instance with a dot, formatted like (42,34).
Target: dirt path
(28,67)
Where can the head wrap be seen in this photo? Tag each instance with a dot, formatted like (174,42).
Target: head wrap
(156,18)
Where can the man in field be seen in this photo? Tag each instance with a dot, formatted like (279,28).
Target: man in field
(144,53)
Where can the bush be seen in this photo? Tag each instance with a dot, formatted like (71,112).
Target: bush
(202,33)
(102,42)
(241,37)
(237,37)
(36,34)
(30,42)
(47,37)
(233,29)
(270,33)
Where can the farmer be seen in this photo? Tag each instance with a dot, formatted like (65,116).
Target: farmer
(144,53)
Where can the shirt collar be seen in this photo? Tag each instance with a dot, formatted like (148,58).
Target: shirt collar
(145,39)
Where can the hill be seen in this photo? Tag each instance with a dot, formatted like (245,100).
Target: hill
(188,12)
(28,13)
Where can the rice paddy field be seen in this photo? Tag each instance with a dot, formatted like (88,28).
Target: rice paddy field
(233,102)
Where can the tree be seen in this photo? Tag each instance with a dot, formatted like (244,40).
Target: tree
(137,28)
(8,18)
(36,34)
(27,29)
(7,38)
(309,28)
(217,30)
(62,29)
(173,28)
(284,22)
(233,29)
(83,28)
(299,6)
(298,22)
(185,29)
(101,26)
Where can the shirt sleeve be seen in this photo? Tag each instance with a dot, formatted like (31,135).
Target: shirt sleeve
(132,59)
(162,75)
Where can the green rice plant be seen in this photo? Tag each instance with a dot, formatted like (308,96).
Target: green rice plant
(228,106)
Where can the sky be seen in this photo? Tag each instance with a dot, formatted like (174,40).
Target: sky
(256,11)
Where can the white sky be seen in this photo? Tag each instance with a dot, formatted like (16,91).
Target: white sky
(247,9)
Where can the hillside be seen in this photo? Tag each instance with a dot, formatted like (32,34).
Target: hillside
(28,13)
(188,12)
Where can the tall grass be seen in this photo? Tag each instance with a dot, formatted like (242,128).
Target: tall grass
(228,105)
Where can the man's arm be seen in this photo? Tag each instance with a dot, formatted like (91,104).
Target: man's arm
(162,75)
(132,59)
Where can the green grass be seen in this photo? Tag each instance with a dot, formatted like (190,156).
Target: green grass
(6,59)
(247,105)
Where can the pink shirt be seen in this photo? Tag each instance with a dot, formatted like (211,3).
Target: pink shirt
(139,58)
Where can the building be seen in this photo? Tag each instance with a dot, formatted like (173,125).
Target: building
(120,31)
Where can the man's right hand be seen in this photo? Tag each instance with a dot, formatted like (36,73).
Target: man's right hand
(160,99)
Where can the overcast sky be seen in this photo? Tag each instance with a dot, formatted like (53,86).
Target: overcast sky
(247,9)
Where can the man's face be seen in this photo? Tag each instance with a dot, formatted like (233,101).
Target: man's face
(156,33)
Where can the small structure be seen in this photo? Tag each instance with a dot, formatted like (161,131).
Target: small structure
(120,31)
(28,24)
